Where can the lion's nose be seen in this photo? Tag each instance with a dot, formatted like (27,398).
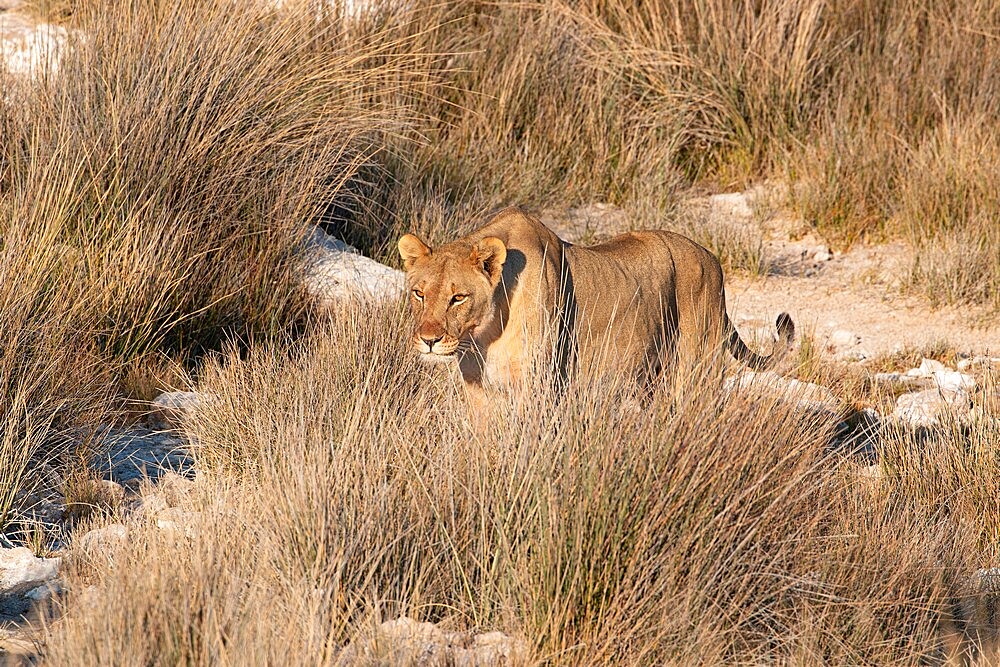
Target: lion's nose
(429,342)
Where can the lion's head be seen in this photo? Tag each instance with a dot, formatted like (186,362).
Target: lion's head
(451,291)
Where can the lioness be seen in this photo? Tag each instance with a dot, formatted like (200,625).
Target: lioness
(512,290)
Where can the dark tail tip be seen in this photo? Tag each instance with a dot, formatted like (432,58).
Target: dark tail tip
(786,329)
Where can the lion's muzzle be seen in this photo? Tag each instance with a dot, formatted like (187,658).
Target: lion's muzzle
(443,345)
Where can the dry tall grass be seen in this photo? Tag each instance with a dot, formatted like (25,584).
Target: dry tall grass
(154,194)
(342,487)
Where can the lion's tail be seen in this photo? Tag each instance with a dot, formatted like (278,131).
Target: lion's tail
(739,349)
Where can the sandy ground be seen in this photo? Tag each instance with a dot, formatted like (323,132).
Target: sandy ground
(853,303)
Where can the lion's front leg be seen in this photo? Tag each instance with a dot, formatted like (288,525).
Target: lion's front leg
(478,399)
(480,406)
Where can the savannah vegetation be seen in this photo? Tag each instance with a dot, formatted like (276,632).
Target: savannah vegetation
(154,194)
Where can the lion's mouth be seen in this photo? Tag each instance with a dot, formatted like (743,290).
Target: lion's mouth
(442,349)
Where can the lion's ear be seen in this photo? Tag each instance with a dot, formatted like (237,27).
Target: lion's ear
(490,254)
(412,249)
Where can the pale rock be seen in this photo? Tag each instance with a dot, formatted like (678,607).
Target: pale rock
(102,492)
(175,489)
(178,523)
(45,591)
(336,272)
(931,407)
(927,368)
(410,639)
(945,379)
(978,362)
(152,504)
(841,338)
(856,354)
(891,379)
(101,541)
(490,649)
(733,205)
(978,604)
(953,381)
(872,474)
(17,647)
(30,50)
(821,254)
(175,408)
(349,9)
(20,568)
(406,641)
(769,384)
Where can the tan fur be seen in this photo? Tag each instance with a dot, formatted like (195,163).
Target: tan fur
(512,293)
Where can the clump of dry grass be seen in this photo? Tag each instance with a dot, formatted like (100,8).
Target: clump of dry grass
(692,530)
(154,196)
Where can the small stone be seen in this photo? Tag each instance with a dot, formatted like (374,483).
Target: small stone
(888,379)
(841,338)
(931,407)
(978,362)
(731,205)
(20,568)
(45,591)
(179,523)
(407,641)
(491,649)
(953,381)
(103,492)
(175,489)
(152,504)
(927,368)
(856,354)
(871,474)
(979,603)
(28,49)
(102,540)
(175,408)
(822,254)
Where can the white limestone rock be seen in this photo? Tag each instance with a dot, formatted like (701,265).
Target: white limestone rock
(30,50)
(931,407)
(336,272)
(822,254)
(19,569)
(731,205)
(175,408)
(102,541)
(407,641)
(927,368)
(768,384)
(842,338)
(978,362)
(178,523)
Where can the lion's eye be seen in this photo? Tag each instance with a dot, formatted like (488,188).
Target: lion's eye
(459,298)
(418,295)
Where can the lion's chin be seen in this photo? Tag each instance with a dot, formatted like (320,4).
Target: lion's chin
(435,358)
